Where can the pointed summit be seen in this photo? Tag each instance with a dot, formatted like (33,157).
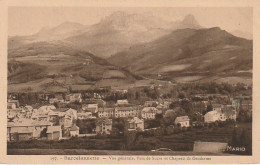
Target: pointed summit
(189,21)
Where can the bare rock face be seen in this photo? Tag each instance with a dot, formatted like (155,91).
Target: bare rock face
(190,22)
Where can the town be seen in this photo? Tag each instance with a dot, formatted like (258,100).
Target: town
(129,116)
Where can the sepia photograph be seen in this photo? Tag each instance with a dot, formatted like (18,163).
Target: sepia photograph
(162,81)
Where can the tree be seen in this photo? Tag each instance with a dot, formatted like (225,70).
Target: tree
(173,105)
(119,123)
(246,141)
(244,116)
(169,117)
(187,106)
(182,95)
(86,125)
(244,138)
(208,109)
(158,116)
(137,95)
(56,104)
(235,139)
(44,132)
(169,130)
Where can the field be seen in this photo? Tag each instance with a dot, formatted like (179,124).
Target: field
(235,80)
(113,74)
(174,67)
(188,78)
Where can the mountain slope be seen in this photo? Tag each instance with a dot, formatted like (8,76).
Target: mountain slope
(56,66)
(242,34)
(189,54)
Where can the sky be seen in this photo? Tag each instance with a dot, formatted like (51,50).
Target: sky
(29,20)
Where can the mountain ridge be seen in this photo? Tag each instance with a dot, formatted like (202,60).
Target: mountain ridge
(179,54)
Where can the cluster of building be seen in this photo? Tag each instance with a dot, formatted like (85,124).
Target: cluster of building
(220,113)
(49,122)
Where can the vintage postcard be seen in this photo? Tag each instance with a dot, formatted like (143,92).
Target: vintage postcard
(129,82)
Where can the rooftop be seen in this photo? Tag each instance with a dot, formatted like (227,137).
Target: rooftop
(135,120)
(149,109)
(74,128)
(182,118)
(124,108)
(105,109)
(52,129)
(22,130)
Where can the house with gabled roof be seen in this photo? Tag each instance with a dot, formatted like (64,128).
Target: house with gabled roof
(44,110)
(149,112)
(16,102)
(85,115)
(19,126)
(229,112)
(135,123)
(74,130)
(122,102)
(151,103)
(104,126)
(184,121)
(54,133)
(73,97)
(217,107)
(72,113)
(21,133)
(13,112)
(11,106)
(93,108)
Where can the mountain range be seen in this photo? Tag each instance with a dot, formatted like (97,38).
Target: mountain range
(114,33)
(123,49)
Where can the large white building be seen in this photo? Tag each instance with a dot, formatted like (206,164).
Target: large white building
(106,112)
(126,112)
(211,116)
